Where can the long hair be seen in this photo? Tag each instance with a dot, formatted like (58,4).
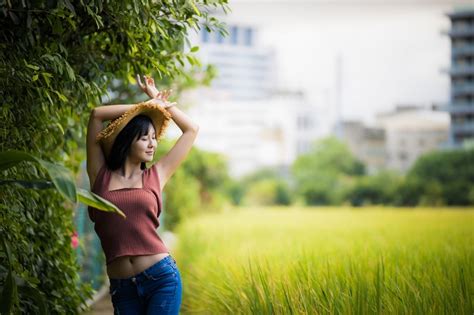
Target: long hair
(133,131)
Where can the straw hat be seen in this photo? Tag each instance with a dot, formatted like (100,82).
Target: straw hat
(159,115)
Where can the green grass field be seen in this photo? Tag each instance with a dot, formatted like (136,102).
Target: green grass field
(328,260)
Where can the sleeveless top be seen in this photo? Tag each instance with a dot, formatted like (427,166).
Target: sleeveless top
(136,234)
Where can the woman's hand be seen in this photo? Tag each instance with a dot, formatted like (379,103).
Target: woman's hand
(161,102)
(150,89)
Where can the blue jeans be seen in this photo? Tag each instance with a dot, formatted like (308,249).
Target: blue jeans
(156,290)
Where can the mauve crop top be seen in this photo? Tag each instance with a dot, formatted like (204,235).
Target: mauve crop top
(135,235)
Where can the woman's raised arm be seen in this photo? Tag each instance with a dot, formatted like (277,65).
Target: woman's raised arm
(168,164)
(109,112)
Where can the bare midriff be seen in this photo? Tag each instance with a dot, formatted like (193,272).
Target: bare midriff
(129,266)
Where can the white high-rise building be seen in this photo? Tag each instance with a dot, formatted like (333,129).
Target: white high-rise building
(246,71)
(243,115)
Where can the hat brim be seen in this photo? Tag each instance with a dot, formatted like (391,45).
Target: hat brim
(159,115)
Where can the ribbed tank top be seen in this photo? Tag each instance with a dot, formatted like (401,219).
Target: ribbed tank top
(135,235)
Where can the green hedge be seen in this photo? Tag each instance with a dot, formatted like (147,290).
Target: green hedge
(56,61)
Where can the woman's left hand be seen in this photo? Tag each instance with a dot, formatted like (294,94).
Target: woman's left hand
(150,89)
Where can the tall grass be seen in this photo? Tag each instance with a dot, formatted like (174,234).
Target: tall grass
(328,261)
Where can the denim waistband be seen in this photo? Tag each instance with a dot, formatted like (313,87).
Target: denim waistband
(143,275)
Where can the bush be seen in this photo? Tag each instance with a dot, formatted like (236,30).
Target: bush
(262,187)
(198,185)
(181,199)
(374,189)
(325,174)
(444,177)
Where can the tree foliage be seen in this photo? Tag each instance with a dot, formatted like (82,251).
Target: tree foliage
(377,189)
(197,186)
(329,174)
(264,186)
(324,174)
(445,176)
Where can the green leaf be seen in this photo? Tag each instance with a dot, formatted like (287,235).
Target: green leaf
(32,67)
(6,250)
(135,6)
(14,17)
(62,97)
(162,32)
(34,78)
(190,60)
(9,295)
(93,200)
(35,295)
(195,48)
(49,98)
(60,175)
(46,76)
(195,8)
(87,197)
(31,184)
(180,60)
(60,127)
(28,20)
(70,72)
(69,6)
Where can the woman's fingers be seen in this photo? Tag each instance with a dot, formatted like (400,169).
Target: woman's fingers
(166,94)
(139,81)
(150,80)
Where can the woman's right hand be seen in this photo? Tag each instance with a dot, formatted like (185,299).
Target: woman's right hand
(160,102)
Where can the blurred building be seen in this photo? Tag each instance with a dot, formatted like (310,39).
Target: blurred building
(411,131)
(461,105)
(255,133)
(366,143)
(246,70)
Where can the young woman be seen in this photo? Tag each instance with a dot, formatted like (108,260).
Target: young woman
(144,278)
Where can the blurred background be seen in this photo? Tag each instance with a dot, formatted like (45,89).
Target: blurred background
(333,172)
(382,82)
(381,76)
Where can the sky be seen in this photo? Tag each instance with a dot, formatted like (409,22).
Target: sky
(391,52)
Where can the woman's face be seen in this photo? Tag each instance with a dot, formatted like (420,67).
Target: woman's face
(142,147)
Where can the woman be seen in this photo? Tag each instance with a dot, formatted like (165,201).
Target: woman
(144,278)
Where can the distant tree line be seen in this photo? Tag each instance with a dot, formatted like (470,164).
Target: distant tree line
(330,175)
